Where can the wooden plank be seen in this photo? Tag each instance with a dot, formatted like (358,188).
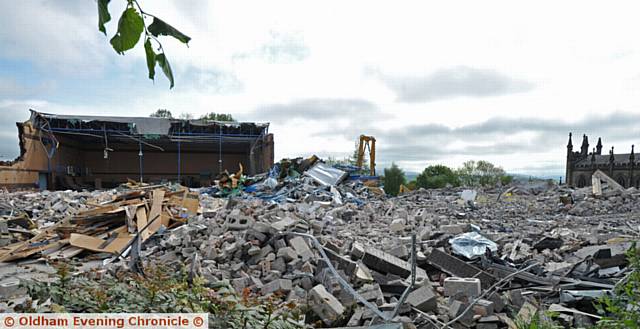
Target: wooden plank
(156,210)
(165,218)
(191,202)
(141,221)
(64,253)
(94,244)
(97,211)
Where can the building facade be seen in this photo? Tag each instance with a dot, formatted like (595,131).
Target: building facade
(582,164)
(75,151)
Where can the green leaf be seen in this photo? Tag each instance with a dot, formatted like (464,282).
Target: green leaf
(151,58)
(159,27)
(162,61)
(130,27)
(103,15)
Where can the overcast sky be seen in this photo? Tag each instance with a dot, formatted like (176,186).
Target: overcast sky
(434,82)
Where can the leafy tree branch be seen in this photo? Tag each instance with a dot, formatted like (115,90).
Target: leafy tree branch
(131,26)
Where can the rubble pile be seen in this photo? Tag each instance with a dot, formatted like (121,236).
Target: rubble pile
(97,221)
(297,179)
(462,249)
(434,258)
(43,208)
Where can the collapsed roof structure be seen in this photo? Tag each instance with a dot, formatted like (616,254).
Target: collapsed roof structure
(74,151)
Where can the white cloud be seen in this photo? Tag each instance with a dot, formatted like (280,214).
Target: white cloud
(579,58)
(56,38)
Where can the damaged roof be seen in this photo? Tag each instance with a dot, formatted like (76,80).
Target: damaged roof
(144,125)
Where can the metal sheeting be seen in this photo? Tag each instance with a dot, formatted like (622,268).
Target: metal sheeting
(325,174)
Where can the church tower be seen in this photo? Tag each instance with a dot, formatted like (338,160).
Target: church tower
(568,172)
(584,149)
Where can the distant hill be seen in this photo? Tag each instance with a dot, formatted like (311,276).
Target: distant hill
(525,178)
(410,175)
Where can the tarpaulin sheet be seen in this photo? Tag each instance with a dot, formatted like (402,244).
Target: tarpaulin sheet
(471,245)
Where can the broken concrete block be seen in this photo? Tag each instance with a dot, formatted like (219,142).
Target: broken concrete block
(498,301)
(304,267)
(280,243)
(372,293)
(386,263)
(240,283)
(362,274)
(284,224)
(397,225)
(287,253)
(279,265)
(301,248)
(342,263)
(400,251)
(469,287)
(332,246)
(548,243)
(489,318)
(325,305)
(458,268)
(238,222)
(455,228)
(357,251)
(423,299)
(487,325)
(515,298)
(261,227)
(527,311)
(356,318)
(277,285)
(264,251)
(265,266)
(11,288)
(253,250)
(483,307)
(456,308)
(582,321)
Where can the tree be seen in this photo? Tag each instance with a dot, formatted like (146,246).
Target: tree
(131,25)
(437,176)
(506,180)
(162,113)
(186,116)
(393,178)
(481,173)
(412,185)
(211,116)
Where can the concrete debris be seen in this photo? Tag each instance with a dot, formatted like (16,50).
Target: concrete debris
(325,305)
(547,251)
(423,299)
(469,287)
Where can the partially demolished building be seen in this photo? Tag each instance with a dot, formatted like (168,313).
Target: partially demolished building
(581,165)
(73,151)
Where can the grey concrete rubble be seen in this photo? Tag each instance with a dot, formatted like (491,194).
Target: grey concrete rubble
(469,287)
(366,237)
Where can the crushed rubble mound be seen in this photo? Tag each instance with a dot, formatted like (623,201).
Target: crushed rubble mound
(309,233)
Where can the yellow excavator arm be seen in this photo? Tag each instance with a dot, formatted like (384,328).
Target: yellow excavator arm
(367,142)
